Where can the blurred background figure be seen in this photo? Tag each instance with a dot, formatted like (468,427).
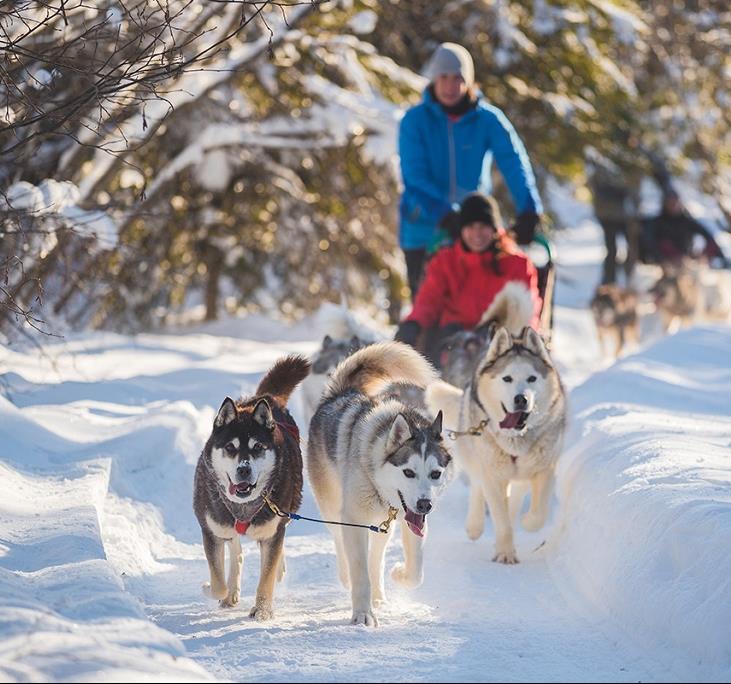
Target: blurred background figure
(614,185)
(671,235)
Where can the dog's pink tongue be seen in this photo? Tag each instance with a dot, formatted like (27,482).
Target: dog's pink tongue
(511,420)
(415,523)
(233,488)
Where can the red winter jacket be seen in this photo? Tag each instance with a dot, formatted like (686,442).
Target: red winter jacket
(459,285)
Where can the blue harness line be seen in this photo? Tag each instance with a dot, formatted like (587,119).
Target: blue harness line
(382,528)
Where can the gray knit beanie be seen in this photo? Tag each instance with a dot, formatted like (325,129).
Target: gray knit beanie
(450,58)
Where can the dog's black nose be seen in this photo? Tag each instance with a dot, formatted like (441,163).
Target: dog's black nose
(244,471)
(423,506)
(521,402)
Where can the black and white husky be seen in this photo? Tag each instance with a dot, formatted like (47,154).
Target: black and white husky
(253,452)
(368,455)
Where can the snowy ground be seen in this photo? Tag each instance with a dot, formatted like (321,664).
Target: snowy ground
(101,562)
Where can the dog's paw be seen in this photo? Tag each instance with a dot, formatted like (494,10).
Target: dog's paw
(532,522)
(261,613)
(231,600)
(211,593)
(509,557)
(400,574)
(378,597)
(364,617)
(475,527)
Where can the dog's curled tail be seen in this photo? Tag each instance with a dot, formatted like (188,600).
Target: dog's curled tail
(513,308)
(379,364)
(284,376)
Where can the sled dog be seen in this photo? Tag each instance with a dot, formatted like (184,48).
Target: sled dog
(369,456)
(253,452)
(516,402)
(331,353)
(615,314)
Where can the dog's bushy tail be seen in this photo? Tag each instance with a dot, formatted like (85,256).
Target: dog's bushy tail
(372,367)
(512,308)
(284,376)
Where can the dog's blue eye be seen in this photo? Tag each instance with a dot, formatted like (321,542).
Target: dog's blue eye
(435,474)
(507,378)
(230,448)
(409,473)
(532,378)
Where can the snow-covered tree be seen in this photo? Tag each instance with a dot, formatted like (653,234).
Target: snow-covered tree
(242,155)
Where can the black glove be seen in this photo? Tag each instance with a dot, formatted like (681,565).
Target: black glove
(408,332)
(525,227)
(450,222)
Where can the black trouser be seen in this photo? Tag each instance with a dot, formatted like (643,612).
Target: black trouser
(415,260)
(611,228)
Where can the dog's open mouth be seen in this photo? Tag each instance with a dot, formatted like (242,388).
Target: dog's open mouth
(242,489)
(515,420)
(415,521)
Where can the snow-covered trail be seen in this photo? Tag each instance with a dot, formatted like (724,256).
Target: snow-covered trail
(471,620)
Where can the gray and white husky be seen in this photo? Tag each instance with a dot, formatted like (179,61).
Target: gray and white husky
(517,401)
(368,455)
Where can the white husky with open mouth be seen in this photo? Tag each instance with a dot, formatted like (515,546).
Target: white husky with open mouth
(517,404)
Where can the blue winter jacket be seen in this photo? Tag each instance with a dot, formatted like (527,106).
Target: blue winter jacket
(444,160)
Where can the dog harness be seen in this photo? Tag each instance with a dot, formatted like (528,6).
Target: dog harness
(242,525)
(291,428)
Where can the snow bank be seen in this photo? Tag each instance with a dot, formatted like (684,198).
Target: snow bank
(64,611)
(644,517)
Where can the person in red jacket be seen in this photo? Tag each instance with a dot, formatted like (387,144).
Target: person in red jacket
(462,280)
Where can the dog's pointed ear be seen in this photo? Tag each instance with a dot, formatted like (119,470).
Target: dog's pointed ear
(500,343)
(436,426)
(226,414)
(399,433)
(533,342)
(263,414)
(326,341)
(523,334)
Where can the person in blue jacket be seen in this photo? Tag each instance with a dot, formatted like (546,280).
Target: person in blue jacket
(447,144)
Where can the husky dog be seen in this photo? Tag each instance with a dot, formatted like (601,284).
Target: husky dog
(511,308)
(677,296)
(692,292)
(253,452)
(369,457)
(716,293)
(460,353)
(615,314)
(516,401)
(331,353)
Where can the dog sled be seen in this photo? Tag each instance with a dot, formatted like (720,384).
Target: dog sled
(546,267)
